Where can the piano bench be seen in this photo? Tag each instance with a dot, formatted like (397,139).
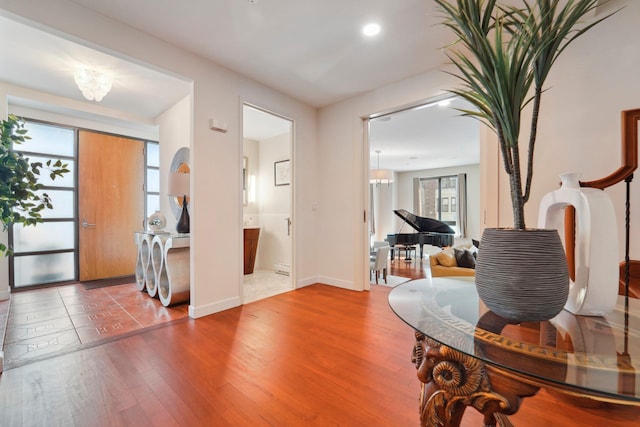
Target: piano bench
(407,251)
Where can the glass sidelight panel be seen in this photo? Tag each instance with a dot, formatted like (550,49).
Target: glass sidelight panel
(46,268)
(153,180)
(49,139)
(63,204)
(47,236)
(153,154)
(153,203)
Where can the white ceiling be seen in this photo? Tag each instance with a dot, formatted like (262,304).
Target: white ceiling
(313,51)
(39,60)
(430,136)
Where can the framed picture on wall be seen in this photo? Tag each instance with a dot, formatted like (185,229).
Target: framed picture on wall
(281,172)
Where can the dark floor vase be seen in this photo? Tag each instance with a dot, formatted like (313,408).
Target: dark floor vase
(522,274)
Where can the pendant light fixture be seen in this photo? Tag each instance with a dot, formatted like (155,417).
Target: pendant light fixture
(93,84)
(380,176)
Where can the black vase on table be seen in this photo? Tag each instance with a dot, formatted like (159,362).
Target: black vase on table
(183,222)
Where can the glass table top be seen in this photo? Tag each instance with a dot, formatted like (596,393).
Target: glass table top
(598,355)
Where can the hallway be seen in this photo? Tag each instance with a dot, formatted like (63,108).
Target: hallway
(47,322)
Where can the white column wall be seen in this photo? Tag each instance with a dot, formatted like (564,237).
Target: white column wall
(216,217)
(175,133)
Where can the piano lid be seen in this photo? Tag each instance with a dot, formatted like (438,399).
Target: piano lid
(422,224)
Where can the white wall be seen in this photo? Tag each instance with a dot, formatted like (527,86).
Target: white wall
(174,133)
(216,215)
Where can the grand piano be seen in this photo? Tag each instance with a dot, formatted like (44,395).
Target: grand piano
(429,232)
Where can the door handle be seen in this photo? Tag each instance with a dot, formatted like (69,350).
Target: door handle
(288,226)
(86,224)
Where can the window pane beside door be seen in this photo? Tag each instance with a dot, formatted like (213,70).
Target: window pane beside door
(48,139)
(153,203)
(153,154)
(46,268)
(153,180)
(47,236)
(63,204)
(33,260)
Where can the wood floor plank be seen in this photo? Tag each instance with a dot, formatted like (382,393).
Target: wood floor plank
(318,356)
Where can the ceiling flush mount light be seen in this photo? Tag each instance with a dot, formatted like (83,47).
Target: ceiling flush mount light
(93,84)
(380,176)
(371,30)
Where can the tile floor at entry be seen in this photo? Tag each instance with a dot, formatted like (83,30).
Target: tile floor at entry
(42,323)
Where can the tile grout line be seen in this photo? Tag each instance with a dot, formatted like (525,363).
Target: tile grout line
(69,315)
(124,309)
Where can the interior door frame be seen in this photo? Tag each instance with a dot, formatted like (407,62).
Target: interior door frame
(292,187)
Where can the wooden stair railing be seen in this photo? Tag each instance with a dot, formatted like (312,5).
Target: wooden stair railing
(630,120)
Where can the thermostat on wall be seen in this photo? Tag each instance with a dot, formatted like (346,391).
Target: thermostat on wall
(218,125)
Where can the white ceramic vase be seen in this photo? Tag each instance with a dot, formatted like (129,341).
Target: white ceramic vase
(595,288)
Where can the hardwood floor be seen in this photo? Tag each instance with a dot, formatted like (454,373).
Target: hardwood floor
(317,356)
(416,269)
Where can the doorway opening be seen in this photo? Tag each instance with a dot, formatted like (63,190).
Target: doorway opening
(416,146)
(267,190)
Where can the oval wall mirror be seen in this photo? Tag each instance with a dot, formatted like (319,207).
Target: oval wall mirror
(180,164)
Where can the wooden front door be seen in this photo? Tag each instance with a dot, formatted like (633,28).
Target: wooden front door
(110,204)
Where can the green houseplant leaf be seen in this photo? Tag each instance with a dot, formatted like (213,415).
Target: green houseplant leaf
(21,198)
(503,55)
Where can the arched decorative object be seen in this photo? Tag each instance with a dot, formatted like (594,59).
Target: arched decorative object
(179,163)
(629,163)
(594,247)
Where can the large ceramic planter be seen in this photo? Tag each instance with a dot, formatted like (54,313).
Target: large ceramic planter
(522,274)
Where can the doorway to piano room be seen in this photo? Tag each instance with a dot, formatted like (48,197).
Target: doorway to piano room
(423,141)
(267,190)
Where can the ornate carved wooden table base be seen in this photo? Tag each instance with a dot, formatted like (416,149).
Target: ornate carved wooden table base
(452,381)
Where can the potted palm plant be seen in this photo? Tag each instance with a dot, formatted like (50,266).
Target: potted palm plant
(503,55)
(21,198)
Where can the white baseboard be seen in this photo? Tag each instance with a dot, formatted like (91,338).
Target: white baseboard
(339,283)
(306,282)
(215,307)
(5,295)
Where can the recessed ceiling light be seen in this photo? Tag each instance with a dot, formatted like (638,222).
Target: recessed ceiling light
(371,30)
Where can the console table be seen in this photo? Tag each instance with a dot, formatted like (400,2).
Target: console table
(162,266)
(466,355)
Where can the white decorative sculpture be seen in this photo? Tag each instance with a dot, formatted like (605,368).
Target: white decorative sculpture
(595,289)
